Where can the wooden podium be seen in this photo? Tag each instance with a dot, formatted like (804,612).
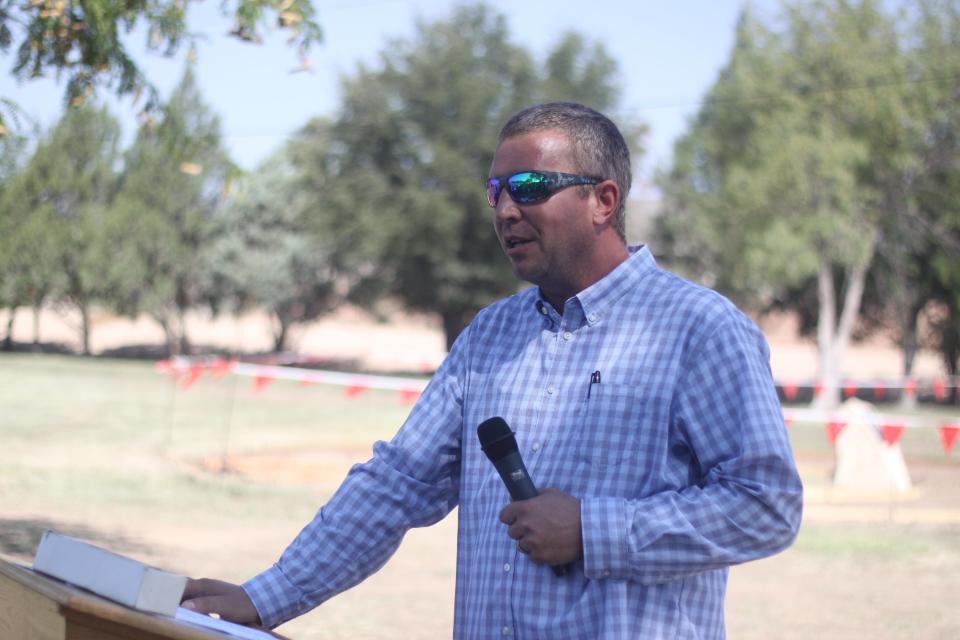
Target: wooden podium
(36,607)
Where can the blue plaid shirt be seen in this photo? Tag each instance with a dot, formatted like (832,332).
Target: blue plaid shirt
(679,456)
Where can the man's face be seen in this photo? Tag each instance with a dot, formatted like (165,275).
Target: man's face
(548,242)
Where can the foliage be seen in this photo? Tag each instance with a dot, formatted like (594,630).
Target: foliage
(921,231)
(175,176)
(56,207)
(12,154)
(84,39)
(269,254)
(804,161)
(412,145)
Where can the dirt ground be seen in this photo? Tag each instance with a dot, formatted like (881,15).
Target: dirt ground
(865,566)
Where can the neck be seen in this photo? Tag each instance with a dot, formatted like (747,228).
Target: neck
(591,272)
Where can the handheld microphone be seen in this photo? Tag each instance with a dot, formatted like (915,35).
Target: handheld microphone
(500,446)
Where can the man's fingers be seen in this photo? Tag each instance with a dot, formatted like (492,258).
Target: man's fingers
(225,599)
(199,587)
(517,531)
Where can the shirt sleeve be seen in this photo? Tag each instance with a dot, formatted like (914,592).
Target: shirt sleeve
(411,481)
(747,500)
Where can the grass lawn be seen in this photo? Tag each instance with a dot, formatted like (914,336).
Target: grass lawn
(114,452)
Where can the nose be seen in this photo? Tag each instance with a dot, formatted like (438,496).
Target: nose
(506,209)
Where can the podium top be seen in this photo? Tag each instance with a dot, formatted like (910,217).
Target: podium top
(27,596)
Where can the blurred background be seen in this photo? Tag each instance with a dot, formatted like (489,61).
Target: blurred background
(206,208)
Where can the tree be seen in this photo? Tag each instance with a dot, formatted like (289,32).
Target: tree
(84,39)
(11,158)
(928,188)
(269,254)
(410,149)
(784,177)
(57,204)
(175,176)
(919,241)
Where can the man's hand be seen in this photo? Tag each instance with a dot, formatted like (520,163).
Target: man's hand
(547,527)
(227,600)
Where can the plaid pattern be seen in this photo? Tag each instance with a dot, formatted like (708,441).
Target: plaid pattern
(679,456)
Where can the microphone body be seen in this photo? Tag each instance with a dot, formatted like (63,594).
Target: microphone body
(500,446)
(515,476)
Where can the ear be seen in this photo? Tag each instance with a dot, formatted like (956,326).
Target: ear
(607,195)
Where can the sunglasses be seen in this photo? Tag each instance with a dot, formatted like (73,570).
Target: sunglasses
(528,187)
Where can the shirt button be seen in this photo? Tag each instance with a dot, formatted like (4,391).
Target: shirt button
(506,567)
(567,336)
(551,390)
(535,446)
(606,573)
(543,309)
(592,317)
(506,631)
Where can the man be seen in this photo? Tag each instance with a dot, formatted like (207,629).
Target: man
(644,401)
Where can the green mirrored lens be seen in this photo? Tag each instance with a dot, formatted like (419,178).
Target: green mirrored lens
(529,187)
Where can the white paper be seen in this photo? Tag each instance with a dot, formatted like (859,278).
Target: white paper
(230,628)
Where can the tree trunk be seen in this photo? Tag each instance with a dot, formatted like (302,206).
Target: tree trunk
(908,330)
(454,322)
(950,339)
(281,329)
(828,375)
(8,340)
(169,335)
(85,328)
(834,337)
(185,347)
(37,308)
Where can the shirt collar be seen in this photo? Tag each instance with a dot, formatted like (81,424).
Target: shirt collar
(601,295)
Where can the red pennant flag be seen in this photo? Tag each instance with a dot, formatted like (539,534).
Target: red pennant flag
(790,391)
(849,389)
(817,388)
(354,390)
(191,376)
(834,427)
(163,366)
(879,390)
(910,387)
(788,420)
(892,433)
(939,390)
(948,435)
(220,368)
(408,396)
(261,382)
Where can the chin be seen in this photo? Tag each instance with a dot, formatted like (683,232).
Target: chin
(533,276)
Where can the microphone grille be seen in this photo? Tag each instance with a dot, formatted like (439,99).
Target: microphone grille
(496,438)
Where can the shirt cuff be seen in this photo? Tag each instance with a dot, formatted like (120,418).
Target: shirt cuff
(605,526)
(275,598)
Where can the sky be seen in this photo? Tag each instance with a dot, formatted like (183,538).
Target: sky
(669,53)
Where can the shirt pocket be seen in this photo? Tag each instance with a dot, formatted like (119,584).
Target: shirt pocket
(609,425)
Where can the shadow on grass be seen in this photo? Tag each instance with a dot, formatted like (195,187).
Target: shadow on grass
(19,537)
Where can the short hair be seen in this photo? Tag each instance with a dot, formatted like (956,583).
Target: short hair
(599,149)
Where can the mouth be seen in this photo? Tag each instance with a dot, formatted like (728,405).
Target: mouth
(512,242)
(516,247)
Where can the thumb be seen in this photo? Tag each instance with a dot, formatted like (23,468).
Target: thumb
(203,604)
